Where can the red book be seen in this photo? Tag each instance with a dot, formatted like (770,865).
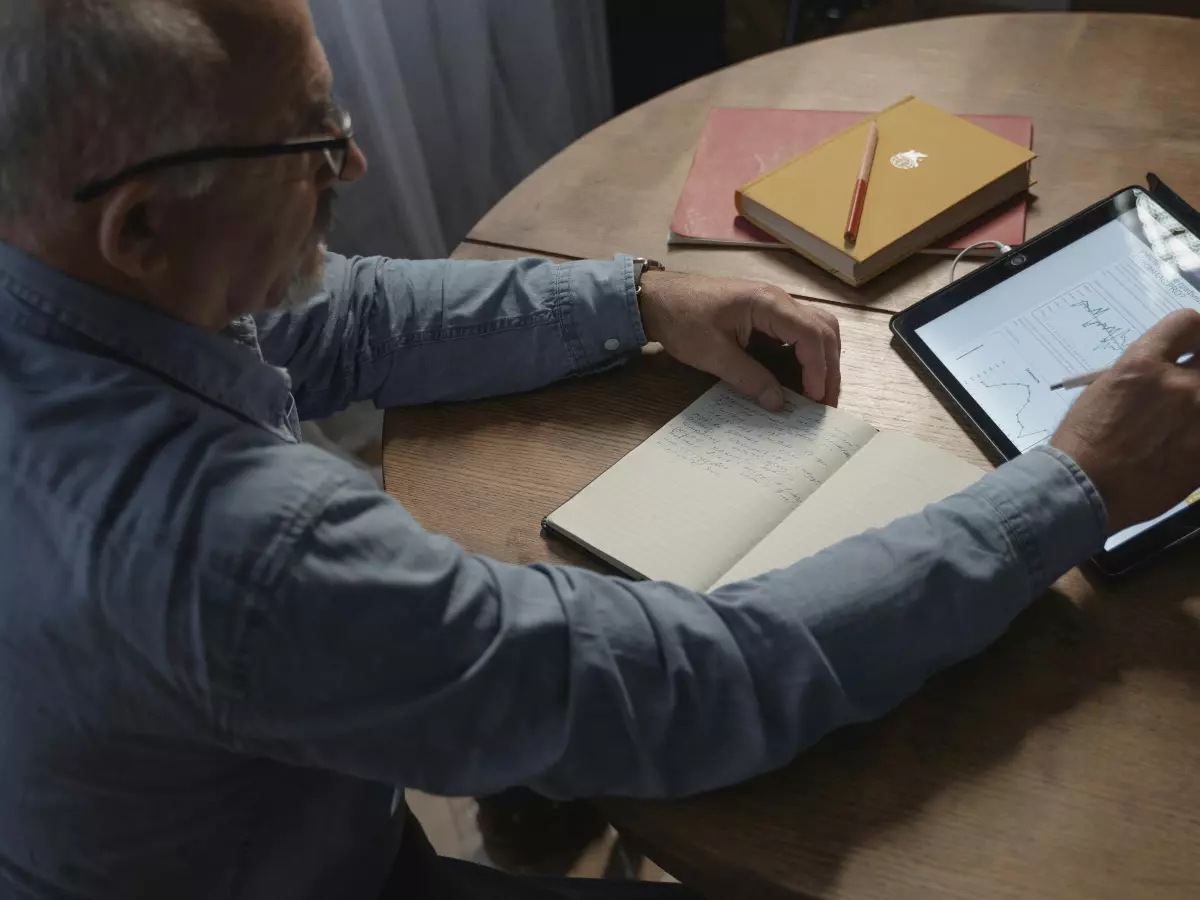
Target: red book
(739,145)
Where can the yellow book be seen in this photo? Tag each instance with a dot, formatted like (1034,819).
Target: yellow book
(933,173)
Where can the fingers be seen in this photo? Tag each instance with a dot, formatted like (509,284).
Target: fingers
(833,357)
(833,383)
(814,363)
(1173,337)
(732,363)
(813,332)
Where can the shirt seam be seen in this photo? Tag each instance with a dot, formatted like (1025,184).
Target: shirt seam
(246,584)
(299,530)
(459,332)
(631,301)
(1080,477)
(207,699)
(300,524)
(83,516)
(393,346)
(455,333)
(1017,535)
(562,302)
(40,310)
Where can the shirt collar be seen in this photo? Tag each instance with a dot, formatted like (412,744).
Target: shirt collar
(226,369)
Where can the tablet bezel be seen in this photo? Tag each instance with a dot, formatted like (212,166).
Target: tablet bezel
(1178,528)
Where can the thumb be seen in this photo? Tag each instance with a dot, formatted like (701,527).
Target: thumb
(731,363)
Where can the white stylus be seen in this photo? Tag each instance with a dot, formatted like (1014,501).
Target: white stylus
(1078,381)
(1087,378)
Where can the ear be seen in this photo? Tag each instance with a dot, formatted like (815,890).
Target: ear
(132,239)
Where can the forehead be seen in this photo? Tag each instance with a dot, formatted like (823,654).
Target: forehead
(320,76)
(276,66)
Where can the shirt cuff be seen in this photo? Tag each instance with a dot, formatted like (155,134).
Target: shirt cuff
(1051,511)
(598,308)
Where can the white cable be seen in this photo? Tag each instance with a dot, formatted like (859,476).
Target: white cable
(1003,247)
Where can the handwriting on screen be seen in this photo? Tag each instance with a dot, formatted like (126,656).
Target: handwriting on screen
(790,453)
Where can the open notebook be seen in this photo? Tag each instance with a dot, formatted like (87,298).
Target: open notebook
(726,491)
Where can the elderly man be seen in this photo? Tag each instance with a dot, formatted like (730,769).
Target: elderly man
(221,652)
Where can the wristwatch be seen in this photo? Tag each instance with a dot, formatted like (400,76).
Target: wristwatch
(641,266)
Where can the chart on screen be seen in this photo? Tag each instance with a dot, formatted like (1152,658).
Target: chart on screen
(1010,390)
(1086,326)
(1009,370)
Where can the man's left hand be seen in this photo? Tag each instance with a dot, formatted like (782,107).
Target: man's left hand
(707,322)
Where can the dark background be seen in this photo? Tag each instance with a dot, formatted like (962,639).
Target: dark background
(659,44)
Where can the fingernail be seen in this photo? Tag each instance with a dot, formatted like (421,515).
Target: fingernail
(771,398)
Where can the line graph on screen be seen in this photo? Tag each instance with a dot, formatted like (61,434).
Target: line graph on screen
(1009,370)
(1019,403)
(1011,392)
(1090,326)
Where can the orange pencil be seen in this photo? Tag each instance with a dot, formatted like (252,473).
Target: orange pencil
(860,186)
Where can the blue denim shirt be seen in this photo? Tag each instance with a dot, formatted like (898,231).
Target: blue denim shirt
(221,650)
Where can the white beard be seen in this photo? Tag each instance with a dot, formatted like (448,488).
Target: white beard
(305,285)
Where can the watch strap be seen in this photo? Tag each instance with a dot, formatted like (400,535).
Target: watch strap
(642,265)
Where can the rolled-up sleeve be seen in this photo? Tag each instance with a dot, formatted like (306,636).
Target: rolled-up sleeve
(393,655)
(403,332)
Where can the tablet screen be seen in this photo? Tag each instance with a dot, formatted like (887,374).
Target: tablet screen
(1072,312)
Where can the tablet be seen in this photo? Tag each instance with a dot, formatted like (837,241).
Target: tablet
(1067,302)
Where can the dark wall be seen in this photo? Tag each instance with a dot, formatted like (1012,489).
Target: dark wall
(1163,7)
(659,44)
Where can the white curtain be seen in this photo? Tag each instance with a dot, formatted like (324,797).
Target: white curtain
(455,101)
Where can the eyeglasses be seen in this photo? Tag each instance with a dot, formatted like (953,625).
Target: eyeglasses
(336,150)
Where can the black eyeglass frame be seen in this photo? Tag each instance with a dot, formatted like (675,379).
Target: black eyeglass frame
(330,146)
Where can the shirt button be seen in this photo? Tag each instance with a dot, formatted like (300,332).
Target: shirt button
(612,345)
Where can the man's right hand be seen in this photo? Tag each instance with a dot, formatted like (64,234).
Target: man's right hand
(1136,431)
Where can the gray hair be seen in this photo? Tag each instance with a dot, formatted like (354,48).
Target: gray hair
(89,87)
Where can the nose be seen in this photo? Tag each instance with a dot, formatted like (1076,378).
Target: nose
(356,163)
(355,167)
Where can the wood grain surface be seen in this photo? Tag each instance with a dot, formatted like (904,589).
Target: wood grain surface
(1062,762)
(512,460)
(1111,97)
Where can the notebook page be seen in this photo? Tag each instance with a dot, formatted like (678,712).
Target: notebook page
(893,476)
(703,490)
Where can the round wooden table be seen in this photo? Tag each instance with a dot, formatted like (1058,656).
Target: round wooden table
(1061,763)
